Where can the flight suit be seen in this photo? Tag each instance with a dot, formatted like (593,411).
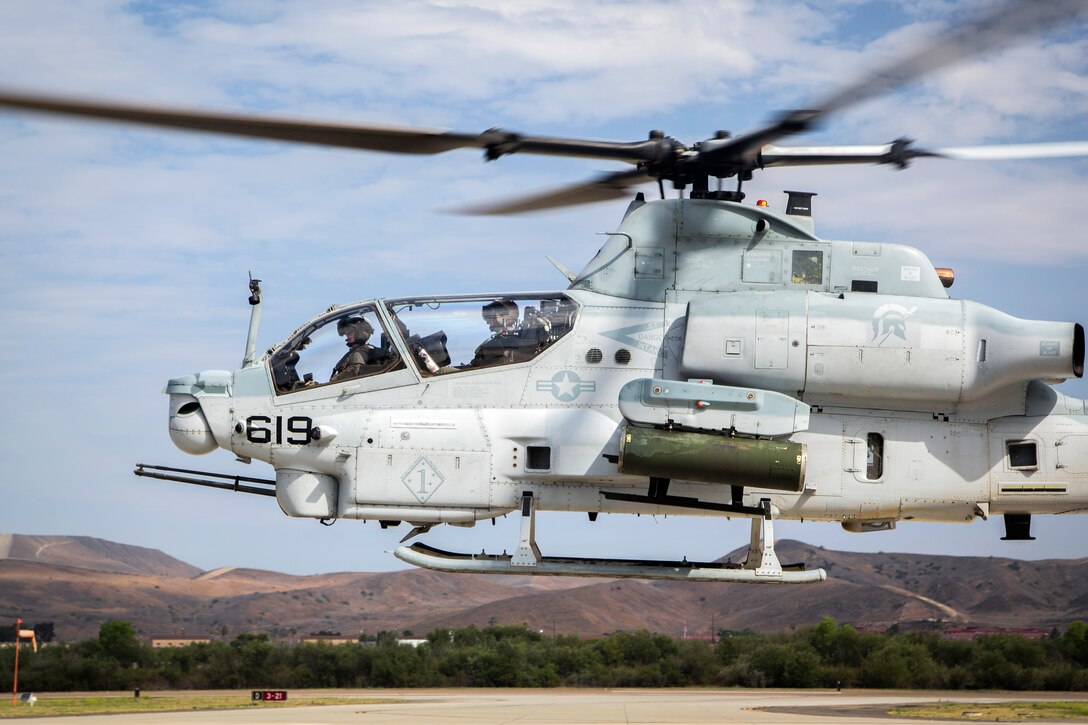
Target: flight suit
(354,361)
(503,347)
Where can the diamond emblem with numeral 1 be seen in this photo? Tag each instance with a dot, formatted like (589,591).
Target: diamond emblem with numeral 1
(422,479)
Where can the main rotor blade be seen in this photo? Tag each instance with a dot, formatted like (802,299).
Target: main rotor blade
(357,136)
(900,153)
(604,188)
(390,139)
(658,157)
(1012,152)
(1001,24)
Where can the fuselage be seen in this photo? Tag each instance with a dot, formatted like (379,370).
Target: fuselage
(918,406)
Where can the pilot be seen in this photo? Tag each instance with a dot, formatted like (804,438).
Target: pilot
(355,331)
(504,345)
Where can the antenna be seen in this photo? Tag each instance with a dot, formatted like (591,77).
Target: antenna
(254,320)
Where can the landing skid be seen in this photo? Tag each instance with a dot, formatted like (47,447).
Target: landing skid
(760,567)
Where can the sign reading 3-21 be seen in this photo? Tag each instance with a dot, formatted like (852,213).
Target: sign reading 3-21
(269,695)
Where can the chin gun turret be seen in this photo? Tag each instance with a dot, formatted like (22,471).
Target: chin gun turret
(189,429)
(194,402)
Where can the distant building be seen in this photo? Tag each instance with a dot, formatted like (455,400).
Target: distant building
(973,632)
(173,640)
(329,639)
(412,642)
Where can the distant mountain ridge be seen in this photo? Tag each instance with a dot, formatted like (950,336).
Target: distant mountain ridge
(79,582)
(90,553)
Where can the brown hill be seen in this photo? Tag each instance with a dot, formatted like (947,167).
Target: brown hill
(872,591)
(89,553)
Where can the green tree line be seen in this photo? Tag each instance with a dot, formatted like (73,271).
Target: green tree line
(827,655)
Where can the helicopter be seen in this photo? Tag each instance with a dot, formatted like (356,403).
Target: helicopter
(825,381)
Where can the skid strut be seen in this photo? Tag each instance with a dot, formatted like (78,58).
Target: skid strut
(527,553)
(761,557)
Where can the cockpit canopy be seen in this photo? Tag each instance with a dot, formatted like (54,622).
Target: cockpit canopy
(434,335)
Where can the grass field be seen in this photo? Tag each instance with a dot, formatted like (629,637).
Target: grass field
(156,703)
(999,711)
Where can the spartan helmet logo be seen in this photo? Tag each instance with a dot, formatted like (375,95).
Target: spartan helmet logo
(890,320)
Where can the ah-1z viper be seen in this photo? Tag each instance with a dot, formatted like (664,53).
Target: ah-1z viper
(714,358)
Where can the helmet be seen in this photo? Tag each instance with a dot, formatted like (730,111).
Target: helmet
(362,329)
(504,312)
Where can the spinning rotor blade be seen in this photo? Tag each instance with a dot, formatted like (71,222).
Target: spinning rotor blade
(659,157)
(604,188)
(901,153)
(726,157)
(1003,23)
(390,139)
(898,153)
(373,138)
(1012,152)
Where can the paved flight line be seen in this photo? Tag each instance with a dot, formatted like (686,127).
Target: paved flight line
(577,707)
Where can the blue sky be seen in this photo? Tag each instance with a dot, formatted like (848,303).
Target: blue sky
(126,252)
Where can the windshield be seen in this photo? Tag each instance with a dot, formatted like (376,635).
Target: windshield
(348,344)
(454,335)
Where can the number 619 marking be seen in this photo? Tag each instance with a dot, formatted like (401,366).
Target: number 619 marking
(298,429)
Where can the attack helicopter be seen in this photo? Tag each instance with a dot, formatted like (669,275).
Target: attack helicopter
(714,358)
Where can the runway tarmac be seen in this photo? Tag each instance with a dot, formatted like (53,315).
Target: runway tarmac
(589,707)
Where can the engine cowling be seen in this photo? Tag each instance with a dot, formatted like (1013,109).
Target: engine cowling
(896,351)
